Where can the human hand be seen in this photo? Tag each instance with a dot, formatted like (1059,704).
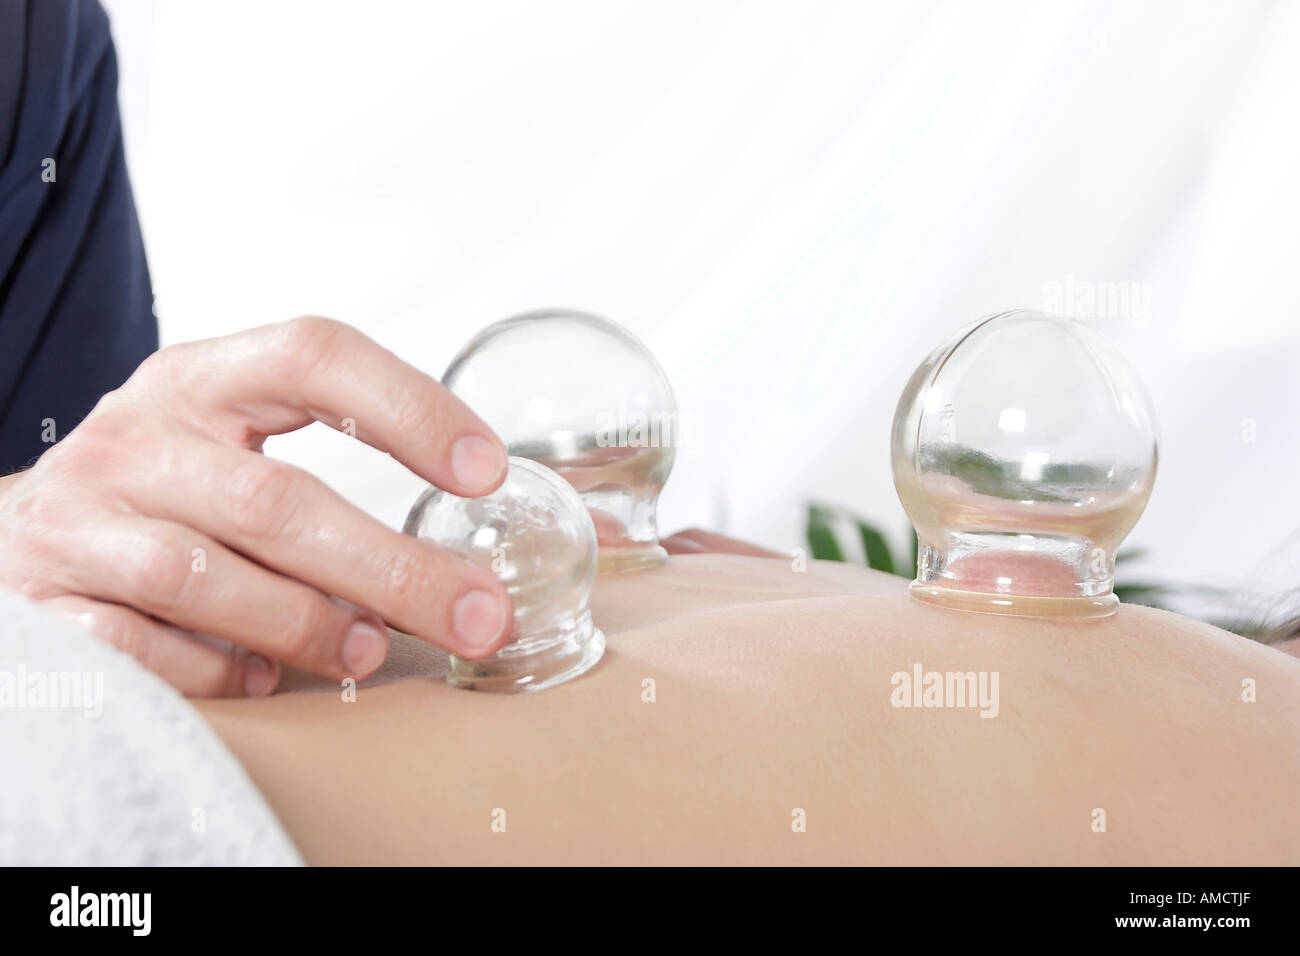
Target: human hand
(158,523)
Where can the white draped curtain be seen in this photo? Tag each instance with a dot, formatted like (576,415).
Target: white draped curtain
(789,202)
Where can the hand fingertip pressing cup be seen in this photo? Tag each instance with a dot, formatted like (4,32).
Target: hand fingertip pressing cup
(1024,451)
(583,396)
(535,535)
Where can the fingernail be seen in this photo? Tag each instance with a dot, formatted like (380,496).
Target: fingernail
(259,676)
(364,648)
(476,462)
(478,620)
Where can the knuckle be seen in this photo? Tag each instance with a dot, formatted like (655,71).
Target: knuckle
(310,620)
(308,328)
(308,342)
(118,628)
(261,498)
(41,554)
(154,363)
(32,565)
(31,518)
(159,573)
(30,538)
(161,365)
(90,448)
(409,579)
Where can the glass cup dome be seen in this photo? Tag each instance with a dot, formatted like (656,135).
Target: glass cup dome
(535,535)
(1024,450)
(584,397)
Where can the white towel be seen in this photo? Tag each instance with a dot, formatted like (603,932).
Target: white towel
(102,763)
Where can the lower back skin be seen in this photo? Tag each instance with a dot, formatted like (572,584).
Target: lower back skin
(740,697)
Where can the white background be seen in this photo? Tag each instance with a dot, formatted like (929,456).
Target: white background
(789,202)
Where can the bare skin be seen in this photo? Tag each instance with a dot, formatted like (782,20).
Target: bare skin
(772,694)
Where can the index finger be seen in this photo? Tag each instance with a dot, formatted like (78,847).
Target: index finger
(278,378)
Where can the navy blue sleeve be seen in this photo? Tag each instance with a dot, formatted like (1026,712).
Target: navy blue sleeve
(76,303)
